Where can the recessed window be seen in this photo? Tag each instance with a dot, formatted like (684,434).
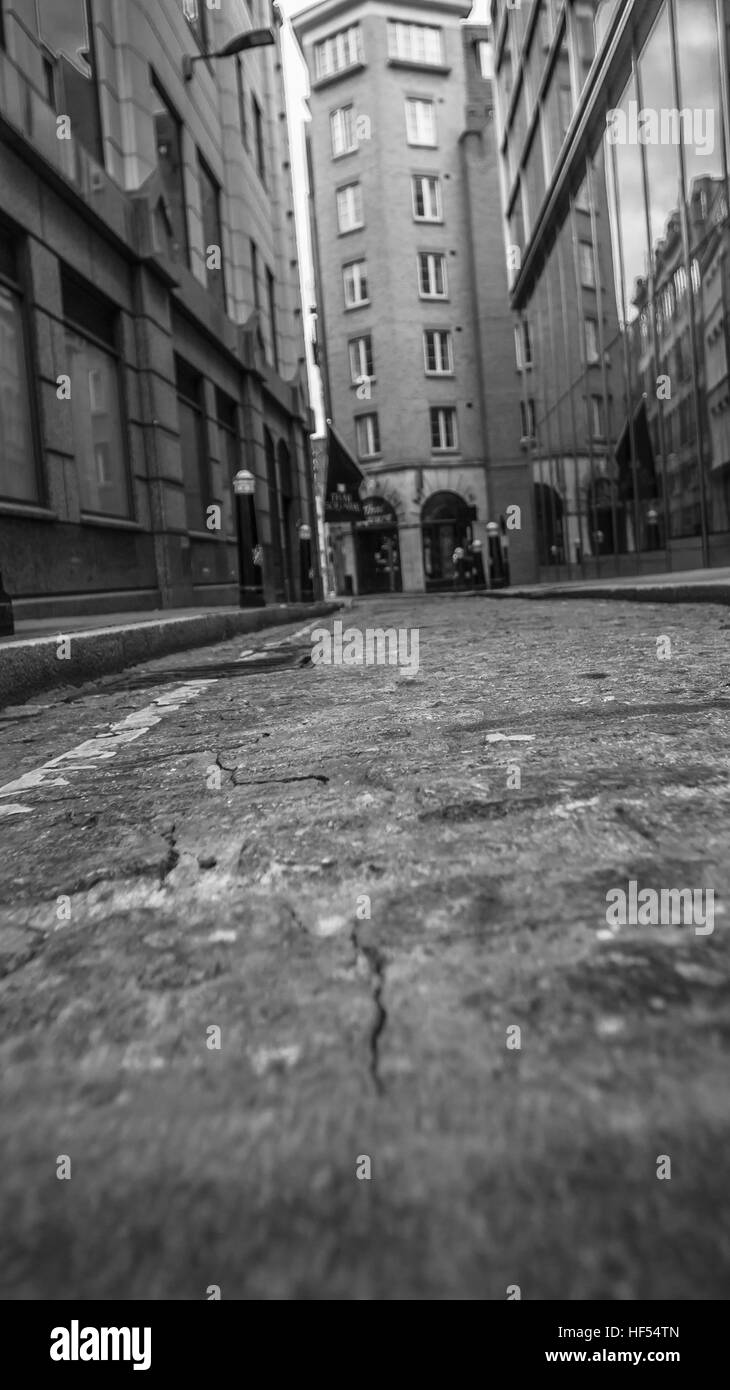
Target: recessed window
(595,417)
(255,274)
(271,305)
(194,11)
(66,29)
(443,427)
(415,43)
(168,141)
(210,198)
(485,58)
(587,265)
(258,124)
(342,131)
(438,352)
(527,418)
(523,346)
(565,99)
(368,435)
(420,121)
(98,424)
(592,352)
(361,358)
(18,471)
(432,282)
(355,280)
(338,52)
(241,91)
(193,445)
(426,191)
(349,207)
(230,453)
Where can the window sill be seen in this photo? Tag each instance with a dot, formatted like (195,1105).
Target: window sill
(344,153)
(370,458)
(116,523)
(362,304)
(355,385)
(341,73)
(434,298)
(415,65)
(32,510)
(428,221)
(349,230)
(439,376)
(421,144)
(451,453)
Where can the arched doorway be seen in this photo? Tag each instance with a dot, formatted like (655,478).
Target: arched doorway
(377,548)
(549,521)
(445,524)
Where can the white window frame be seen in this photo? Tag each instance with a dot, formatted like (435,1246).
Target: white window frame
(433,183)
(365,422)
(338,52)
(351,205)
(444,365)
(433,258)
(415,43)
(357,353)
(415,134)
(593,349)
(358,275)
(442,412)
(341,125)
(587,263)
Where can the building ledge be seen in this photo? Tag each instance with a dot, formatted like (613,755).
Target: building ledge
(32,510)
(333,77)
(438,69)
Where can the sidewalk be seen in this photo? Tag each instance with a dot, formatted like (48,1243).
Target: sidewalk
(33,660)
(684,586)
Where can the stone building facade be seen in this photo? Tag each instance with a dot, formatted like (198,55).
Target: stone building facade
(151,340)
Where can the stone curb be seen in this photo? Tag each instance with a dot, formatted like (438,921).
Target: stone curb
(657,593)
(30,665)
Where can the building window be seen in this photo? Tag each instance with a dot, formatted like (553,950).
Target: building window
(342,131)
(485,58)
(426,192)
(210,206)
(258,122)
(349,207)
(193,445)
(338,52)
(443,427)
(565,99)
(229,453)
(592,352)
(527,417)
(271,300)
(432,275)
(361,358)
(66,29)
(255,275)
(368,435)
(587,265)
(355,279)
(99,427)
(595,417)
(194,11)
(18,467)
(241,90)
(438,352)
(523,346)
(415,43)
(420,121)
(168,141)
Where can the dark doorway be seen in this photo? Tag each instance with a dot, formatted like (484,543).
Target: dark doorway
(274,519)
(377,549)
(445,525)
(549,519)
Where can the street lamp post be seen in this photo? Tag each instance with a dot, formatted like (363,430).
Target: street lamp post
(250,584)
(256,38)
(305,560)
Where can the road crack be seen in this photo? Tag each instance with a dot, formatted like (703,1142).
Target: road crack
(376,966)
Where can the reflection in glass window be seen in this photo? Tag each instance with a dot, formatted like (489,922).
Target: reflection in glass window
(169,163)
(193,452)
(66,29)
(18,478)
(212,233)
(98,427)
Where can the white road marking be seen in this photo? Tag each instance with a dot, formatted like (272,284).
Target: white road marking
(104,746)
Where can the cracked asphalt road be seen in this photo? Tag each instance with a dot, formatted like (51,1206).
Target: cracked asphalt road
(217,872)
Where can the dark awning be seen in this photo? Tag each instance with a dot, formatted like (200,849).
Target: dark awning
(344,477)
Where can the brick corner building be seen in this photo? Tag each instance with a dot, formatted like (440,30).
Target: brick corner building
(415,332)
(151,341)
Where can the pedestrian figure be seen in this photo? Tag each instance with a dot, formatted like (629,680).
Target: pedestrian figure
(457,560)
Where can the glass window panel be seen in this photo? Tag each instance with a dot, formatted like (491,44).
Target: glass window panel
(18,477)
(65,28)
(98,427)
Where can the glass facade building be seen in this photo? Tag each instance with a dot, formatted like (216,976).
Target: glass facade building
(613,136)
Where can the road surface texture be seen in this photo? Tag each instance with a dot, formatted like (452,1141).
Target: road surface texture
(216,872)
